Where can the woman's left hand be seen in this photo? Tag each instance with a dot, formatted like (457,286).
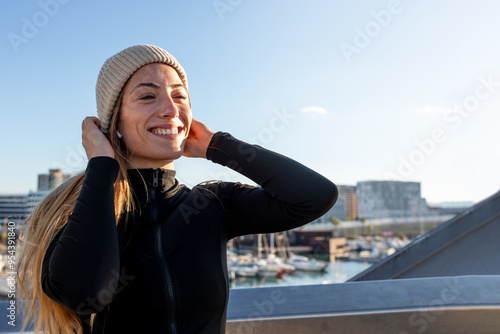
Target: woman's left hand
(198,139)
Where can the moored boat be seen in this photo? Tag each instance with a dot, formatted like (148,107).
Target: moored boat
(306,264)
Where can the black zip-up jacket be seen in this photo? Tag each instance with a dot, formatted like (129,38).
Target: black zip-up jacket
(165,270)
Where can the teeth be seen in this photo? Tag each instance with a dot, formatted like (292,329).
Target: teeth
(159,131)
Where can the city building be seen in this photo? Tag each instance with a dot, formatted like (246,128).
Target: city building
(337,211)
(46,183)
(13,208)
(449,208)
(351,205)
(35,197)
(50,181)
(16,208)
(390,199)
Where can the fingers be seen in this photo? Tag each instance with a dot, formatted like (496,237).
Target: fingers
(198,140)
(200,128)
(94,141)
(90,123)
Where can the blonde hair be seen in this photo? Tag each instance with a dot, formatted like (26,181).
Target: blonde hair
(41,227)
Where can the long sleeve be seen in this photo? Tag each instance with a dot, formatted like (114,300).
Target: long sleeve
(81,266)
(290,195)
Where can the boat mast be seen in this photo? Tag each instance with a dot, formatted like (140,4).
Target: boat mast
(271,247)
(259,246)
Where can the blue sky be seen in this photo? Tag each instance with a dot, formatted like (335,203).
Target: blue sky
(366,90)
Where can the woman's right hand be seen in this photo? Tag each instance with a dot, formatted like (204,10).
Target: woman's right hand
(93,139)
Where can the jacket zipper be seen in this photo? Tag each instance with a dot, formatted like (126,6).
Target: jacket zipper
(161,257)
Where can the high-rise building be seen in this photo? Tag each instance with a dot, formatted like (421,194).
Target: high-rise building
(16,208)
(351,202)
(390,199)
(13,208)
(337,211)
(50,181)
(34,198)
(46,183)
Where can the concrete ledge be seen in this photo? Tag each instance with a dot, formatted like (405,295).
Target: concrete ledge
(423,305)
(443,321)
(459,304)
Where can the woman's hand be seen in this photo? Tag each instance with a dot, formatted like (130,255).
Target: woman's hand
(93,139)
(198,139)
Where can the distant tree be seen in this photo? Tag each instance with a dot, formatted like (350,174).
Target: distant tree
(335,222)
(363,222)
(371,229)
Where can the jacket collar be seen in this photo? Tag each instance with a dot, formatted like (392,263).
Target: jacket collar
(146,179)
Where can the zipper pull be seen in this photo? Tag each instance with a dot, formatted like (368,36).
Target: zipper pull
(155,177)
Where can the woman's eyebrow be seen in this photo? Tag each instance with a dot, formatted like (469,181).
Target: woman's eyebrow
(177,85)
(146,84)
(156,86)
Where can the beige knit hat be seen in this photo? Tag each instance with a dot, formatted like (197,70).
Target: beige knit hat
(119,68)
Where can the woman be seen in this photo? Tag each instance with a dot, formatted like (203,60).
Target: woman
(123,247)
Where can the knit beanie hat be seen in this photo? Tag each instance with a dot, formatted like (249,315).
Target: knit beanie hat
(119,68)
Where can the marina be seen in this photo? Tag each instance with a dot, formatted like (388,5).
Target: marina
(271,261)
(335,272)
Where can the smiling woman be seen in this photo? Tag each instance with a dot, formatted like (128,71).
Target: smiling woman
(123,247)
(155,117)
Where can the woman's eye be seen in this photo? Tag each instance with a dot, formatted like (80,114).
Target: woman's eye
(182,97)
(147,97)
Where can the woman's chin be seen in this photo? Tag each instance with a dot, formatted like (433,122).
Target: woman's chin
(172,153)
(173,156)
(156,160)
(176,156)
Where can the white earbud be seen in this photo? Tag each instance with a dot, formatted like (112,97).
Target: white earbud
(119,134)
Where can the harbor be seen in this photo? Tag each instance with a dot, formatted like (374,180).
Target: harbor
(335,272)
(270,259)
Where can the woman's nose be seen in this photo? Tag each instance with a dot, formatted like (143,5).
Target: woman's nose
(168,108)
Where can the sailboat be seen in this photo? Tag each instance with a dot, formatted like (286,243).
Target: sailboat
(299,262)
(266,269)
(239,267)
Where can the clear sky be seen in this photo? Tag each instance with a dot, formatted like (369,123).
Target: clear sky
(357,90)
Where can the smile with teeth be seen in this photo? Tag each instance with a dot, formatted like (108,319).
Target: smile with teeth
(161,131)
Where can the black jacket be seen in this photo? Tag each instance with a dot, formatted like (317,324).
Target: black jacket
(164,271)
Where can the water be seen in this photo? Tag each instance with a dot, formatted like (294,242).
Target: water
(336,272)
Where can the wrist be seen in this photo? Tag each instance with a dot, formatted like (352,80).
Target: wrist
(103,153)
(216,140)
(206,143)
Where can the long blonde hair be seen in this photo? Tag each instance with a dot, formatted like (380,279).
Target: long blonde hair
(41,227)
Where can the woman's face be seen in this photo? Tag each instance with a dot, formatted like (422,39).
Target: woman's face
(155,116)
